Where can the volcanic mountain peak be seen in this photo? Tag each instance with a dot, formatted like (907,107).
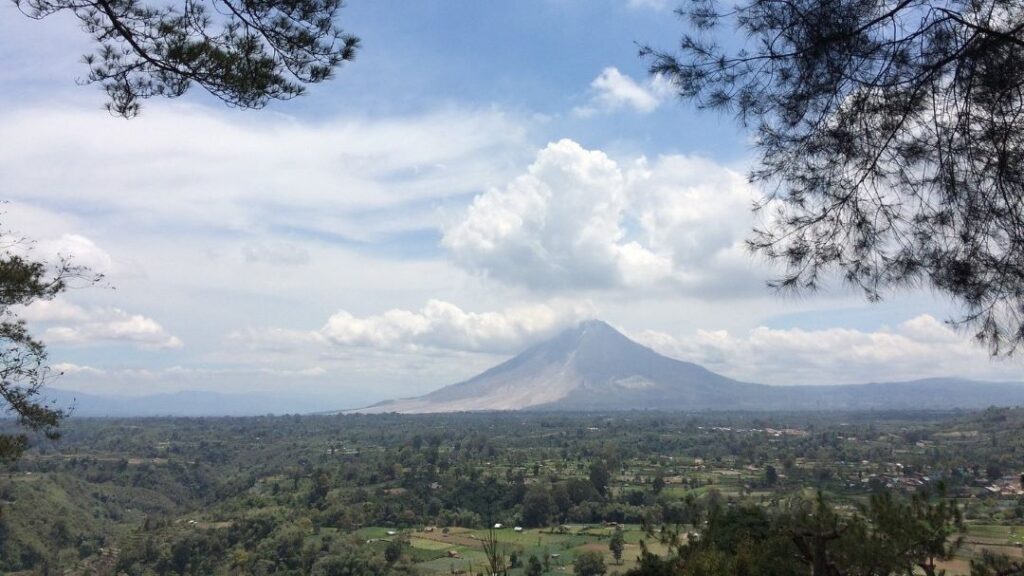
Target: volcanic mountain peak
(591,363)
(587,339)
(590,330)
(593,366)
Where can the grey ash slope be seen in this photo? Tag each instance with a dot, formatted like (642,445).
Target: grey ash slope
(615,372)
(593,367)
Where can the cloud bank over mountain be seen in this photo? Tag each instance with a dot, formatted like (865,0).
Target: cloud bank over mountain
(437,325)
(919,347)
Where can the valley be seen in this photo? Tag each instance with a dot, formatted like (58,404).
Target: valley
(419,494)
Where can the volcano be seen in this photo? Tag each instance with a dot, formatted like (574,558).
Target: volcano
(594,367)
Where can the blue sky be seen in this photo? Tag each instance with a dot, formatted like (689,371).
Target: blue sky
(481,177)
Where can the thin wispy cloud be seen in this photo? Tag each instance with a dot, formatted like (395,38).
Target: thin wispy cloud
(649,4)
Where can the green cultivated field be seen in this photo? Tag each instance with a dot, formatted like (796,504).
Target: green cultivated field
(461,550)
(415,495)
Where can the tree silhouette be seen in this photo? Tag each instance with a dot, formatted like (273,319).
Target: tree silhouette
(600,477)
(244,52)
(890,136)
(616,545)
(534,567)
(23,367)
(589,564)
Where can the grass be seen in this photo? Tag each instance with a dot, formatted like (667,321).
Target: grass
(428,544)
(430,550)
(1009,534)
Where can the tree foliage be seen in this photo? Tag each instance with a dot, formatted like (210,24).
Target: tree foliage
(537,506)
(244,52)
(617,544)
(251,500)
(495,553)
(599,477)
(23,367)
(589,563)
(887,536)
(891,141)
(991,564)
(534,567)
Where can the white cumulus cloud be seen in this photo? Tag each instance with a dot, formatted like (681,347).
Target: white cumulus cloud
(79,250)
(76,249)
(56,310)
(71,324)
(578,219)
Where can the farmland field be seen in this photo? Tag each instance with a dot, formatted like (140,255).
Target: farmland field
(418,495)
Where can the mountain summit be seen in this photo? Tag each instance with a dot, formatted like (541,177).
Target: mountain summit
(594,367)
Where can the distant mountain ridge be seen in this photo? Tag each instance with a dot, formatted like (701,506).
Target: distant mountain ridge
(594,367)
(186,404)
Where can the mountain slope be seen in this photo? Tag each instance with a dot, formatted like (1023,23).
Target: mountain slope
(589,367)
(595,367)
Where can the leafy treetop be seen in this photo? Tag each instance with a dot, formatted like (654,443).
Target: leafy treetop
(244,52)
(890,136)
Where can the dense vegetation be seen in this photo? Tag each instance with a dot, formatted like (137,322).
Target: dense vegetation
(689,494)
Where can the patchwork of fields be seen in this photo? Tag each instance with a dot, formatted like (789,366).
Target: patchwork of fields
(414,495)
(461,551)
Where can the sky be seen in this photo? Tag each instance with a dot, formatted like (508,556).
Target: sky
(482,176)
